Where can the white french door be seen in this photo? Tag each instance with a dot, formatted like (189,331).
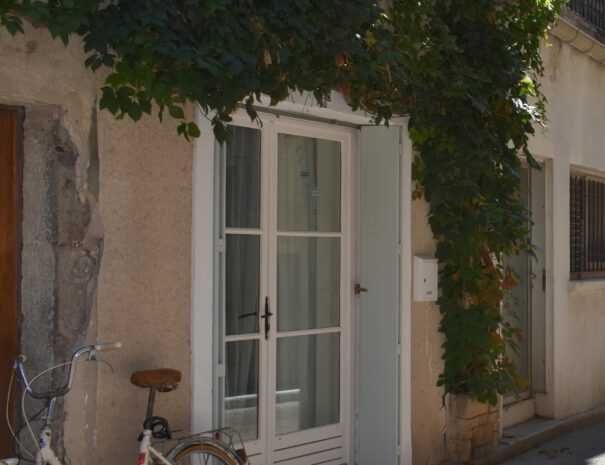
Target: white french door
(285,290)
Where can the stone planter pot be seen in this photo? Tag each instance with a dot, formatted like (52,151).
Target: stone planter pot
(473,429)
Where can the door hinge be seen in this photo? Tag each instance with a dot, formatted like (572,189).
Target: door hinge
(220,370)
(398,450)
(221,245)
(543,279)
(398,349)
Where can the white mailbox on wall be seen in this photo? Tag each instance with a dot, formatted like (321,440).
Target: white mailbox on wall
(426,272)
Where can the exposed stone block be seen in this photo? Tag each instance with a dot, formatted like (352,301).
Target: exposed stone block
(483,434)
(481,452)
(473,429)
(461,435)
(465,407)
(458,450)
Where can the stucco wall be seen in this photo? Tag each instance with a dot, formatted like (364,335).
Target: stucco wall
(145,282)
(58,99)
(144,190)
(575,86)
(428,411)
(136,181)
(575,322)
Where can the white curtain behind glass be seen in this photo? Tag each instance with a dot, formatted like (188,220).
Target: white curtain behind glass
(242,272)
(308,278)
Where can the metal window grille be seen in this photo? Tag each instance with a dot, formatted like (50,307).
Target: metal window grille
(587,227)
(593,11)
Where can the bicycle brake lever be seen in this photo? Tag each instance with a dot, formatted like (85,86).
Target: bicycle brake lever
(100,360)
(92,355)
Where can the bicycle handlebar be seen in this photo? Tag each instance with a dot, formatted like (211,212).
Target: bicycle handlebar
(90,350)
(108,346)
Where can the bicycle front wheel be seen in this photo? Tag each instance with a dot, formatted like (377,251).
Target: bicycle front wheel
(205,453)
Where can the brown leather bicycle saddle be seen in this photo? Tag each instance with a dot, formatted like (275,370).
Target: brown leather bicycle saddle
(162,379)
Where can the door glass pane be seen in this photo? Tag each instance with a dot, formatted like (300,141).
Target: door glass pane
(242,263)
(242,190)
(308,382)
(308,184)
(241,388)
(308,283)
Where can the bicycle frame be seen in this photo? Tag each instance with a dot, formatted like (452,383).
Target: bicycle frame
(146,450)
(45,455)
(9,461)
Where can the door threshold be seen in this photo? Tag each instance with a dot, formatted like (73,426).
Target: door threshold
(518,412)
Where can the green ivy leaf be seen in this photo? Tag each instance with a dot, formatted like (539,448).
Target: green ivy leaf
(465,71)
(176,112)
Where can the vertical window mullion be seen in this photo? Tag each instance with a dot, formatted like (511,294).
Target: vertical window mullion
(593,220)
(588,223)
(600,227)
(595,226)
(574,257)
(591,224)
(585,226)
(572,224)
(595,247)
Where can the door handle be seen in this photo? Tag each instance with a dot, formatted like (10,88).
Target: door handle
(266,317)
(358,289)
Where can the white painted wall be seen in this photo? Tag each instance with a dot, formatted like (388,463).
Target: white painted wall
(574,82)
(575,86)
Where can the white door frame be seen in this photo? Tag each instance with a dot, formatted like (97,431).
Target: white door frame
(203,250)
(405,292)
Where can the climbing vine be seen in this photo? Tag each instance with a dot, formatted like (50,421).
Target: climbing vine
(465,71)
(216,53)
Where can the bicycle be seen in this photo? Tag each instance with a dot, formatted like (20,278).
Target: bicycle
(44,453)
(208,447)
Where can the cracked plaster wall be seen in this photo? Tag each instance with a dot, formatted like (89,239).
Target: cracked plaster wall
(61,251)
(61,233)
(102,199)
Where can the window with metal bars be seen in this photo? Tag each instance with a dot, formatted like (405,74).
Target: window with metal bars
(587,227)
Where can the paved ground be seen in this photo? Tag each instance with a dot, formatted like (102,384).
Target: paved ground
(582,447)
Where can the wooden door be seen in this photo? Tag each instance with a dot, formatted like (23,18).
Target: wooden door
(9,208)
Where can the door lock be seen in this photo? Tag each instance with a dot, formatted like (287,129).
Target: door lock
(266,317)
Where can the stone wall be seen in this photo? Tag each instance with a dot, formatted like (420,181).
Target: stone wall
(473,429)
(62,244)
